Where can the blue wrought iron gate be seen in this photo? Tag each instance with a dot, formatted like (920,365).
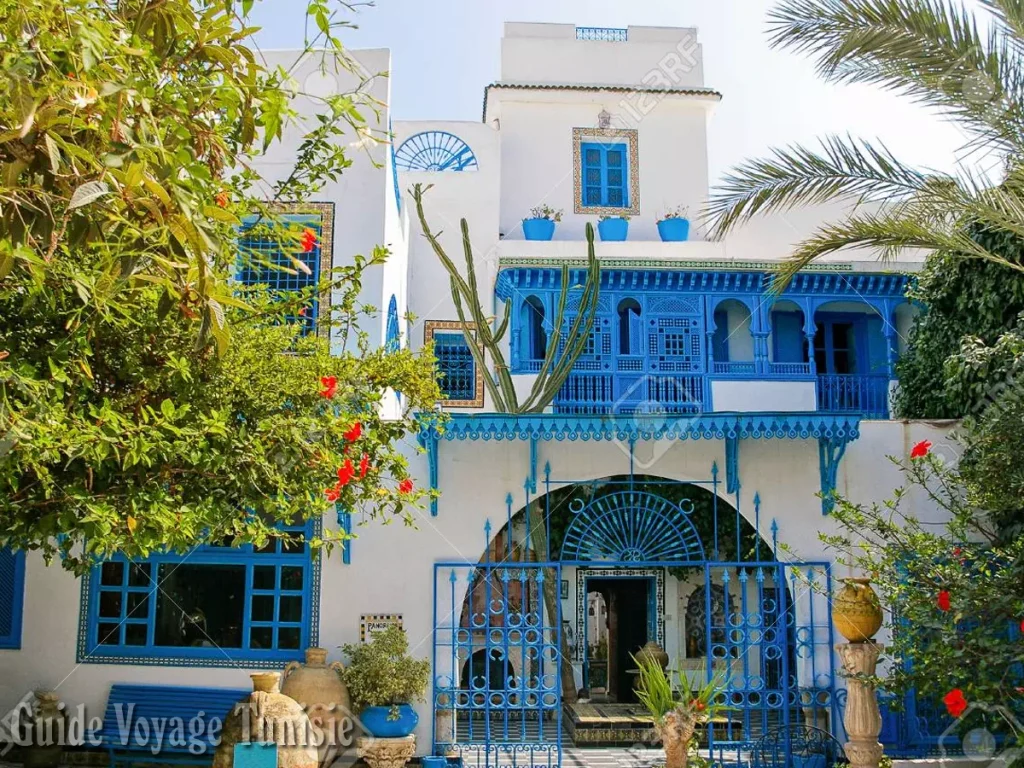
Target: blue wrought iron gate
(770,640)
(497,667)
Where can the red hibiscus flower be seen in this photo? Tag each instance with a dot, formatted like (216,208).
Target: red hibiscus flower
(330,386)
(920,450)
(943,600)
(308,240)
(957,551)
(332,494)
(956,703)
(364,466)
(346,472)
(222,198)
(355,433)
(405,486)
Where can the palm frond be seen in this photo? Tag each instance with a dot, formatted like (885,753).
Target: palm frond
(930,50)
(887,233)
(796,176)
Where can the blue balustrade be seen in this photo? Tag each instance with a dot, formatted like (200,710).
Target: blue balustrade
(734,367)
(603,34)
(789,369)
(853,393)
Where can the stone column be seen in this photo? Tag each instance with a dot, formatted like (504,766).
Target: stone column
(862,719)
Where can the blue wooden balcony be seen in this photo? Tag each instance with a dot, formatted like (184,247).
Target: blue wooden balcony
(678,342)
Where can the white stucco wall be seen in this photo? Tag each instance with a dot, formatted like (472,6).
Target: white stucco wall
(652,56)
(751,396)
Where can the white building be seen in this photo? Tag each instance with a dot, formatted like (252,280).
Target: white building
(677,471)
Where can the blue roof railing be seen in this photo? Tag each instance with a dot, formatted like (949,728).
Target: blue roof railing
(605,34)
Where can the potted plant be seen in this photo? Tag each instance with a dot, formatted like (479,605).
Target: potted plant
(383,681)
(541,224)
(675,722)
(674,226)
(613,228)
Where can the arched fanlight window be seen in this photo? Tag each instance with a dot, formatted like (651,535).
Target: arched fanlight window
(629,327)
(435,151)
(533,339)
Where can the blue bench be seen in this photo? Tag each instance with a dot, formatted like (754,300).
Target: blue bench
(165,723)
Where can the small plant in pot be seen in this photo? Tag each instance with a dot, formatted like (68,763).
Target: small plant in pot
(541,223)
(674,225)
(676,722)
(613,228)
(384,681)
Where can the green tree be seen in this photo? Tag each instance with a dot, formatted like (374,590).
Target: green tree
(954,590)
(962,300)
(936,53)
(145,401)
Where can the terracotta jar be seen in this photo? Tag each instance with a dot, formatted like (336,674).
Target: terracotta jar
(272,717)
(654,651)
(318,687)
(856,610)
(47,734)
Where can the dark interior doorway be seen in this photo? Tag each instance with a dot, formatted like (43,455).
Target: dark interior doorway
(627,601)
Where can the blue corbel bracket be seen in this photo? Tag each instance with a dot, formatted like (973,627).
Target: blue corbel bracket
(830,453)
(429,439)
(732,465)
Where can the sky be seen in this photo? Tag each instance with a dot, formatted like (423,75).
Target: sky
(445,51)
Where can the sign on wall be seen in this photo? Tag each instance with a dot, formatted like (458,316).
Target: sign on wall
(370,623)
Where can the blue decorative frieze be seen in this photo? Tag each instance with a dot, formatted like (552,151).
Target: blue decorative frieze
(841,428)
(860,284)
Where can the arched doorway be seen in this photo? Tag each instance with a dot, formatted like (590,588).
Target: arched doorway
(602,567)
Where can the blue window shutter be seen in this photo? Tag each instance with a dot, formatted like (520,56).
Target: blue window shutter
(605,175)
(788,337)
(12,593)
(720,341)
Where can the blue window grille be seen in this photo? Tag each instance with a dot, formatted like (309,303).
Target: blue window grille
(455,365)
(605,175)
(266,259)
(12,593)
(216,603)
(603,34)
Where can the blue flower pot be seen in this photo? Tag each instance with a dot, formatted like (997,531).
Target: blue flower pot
(538,229)
(674,230)
(375,720)
(613,230)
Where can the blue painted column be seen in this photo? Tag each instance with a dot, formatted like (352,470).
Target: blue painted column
(759,331)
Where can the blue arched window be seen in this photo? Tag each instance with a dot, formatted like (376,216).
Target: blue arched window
(630,336)
(435,151)
(533,339)
(393,339)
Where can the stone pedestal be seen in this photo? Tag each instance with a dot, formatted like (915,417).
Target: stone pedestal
(862,718)
(386,753)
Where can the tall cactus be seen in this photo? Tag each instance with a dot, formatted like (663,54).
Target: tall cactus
(554,370)
(557,366)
